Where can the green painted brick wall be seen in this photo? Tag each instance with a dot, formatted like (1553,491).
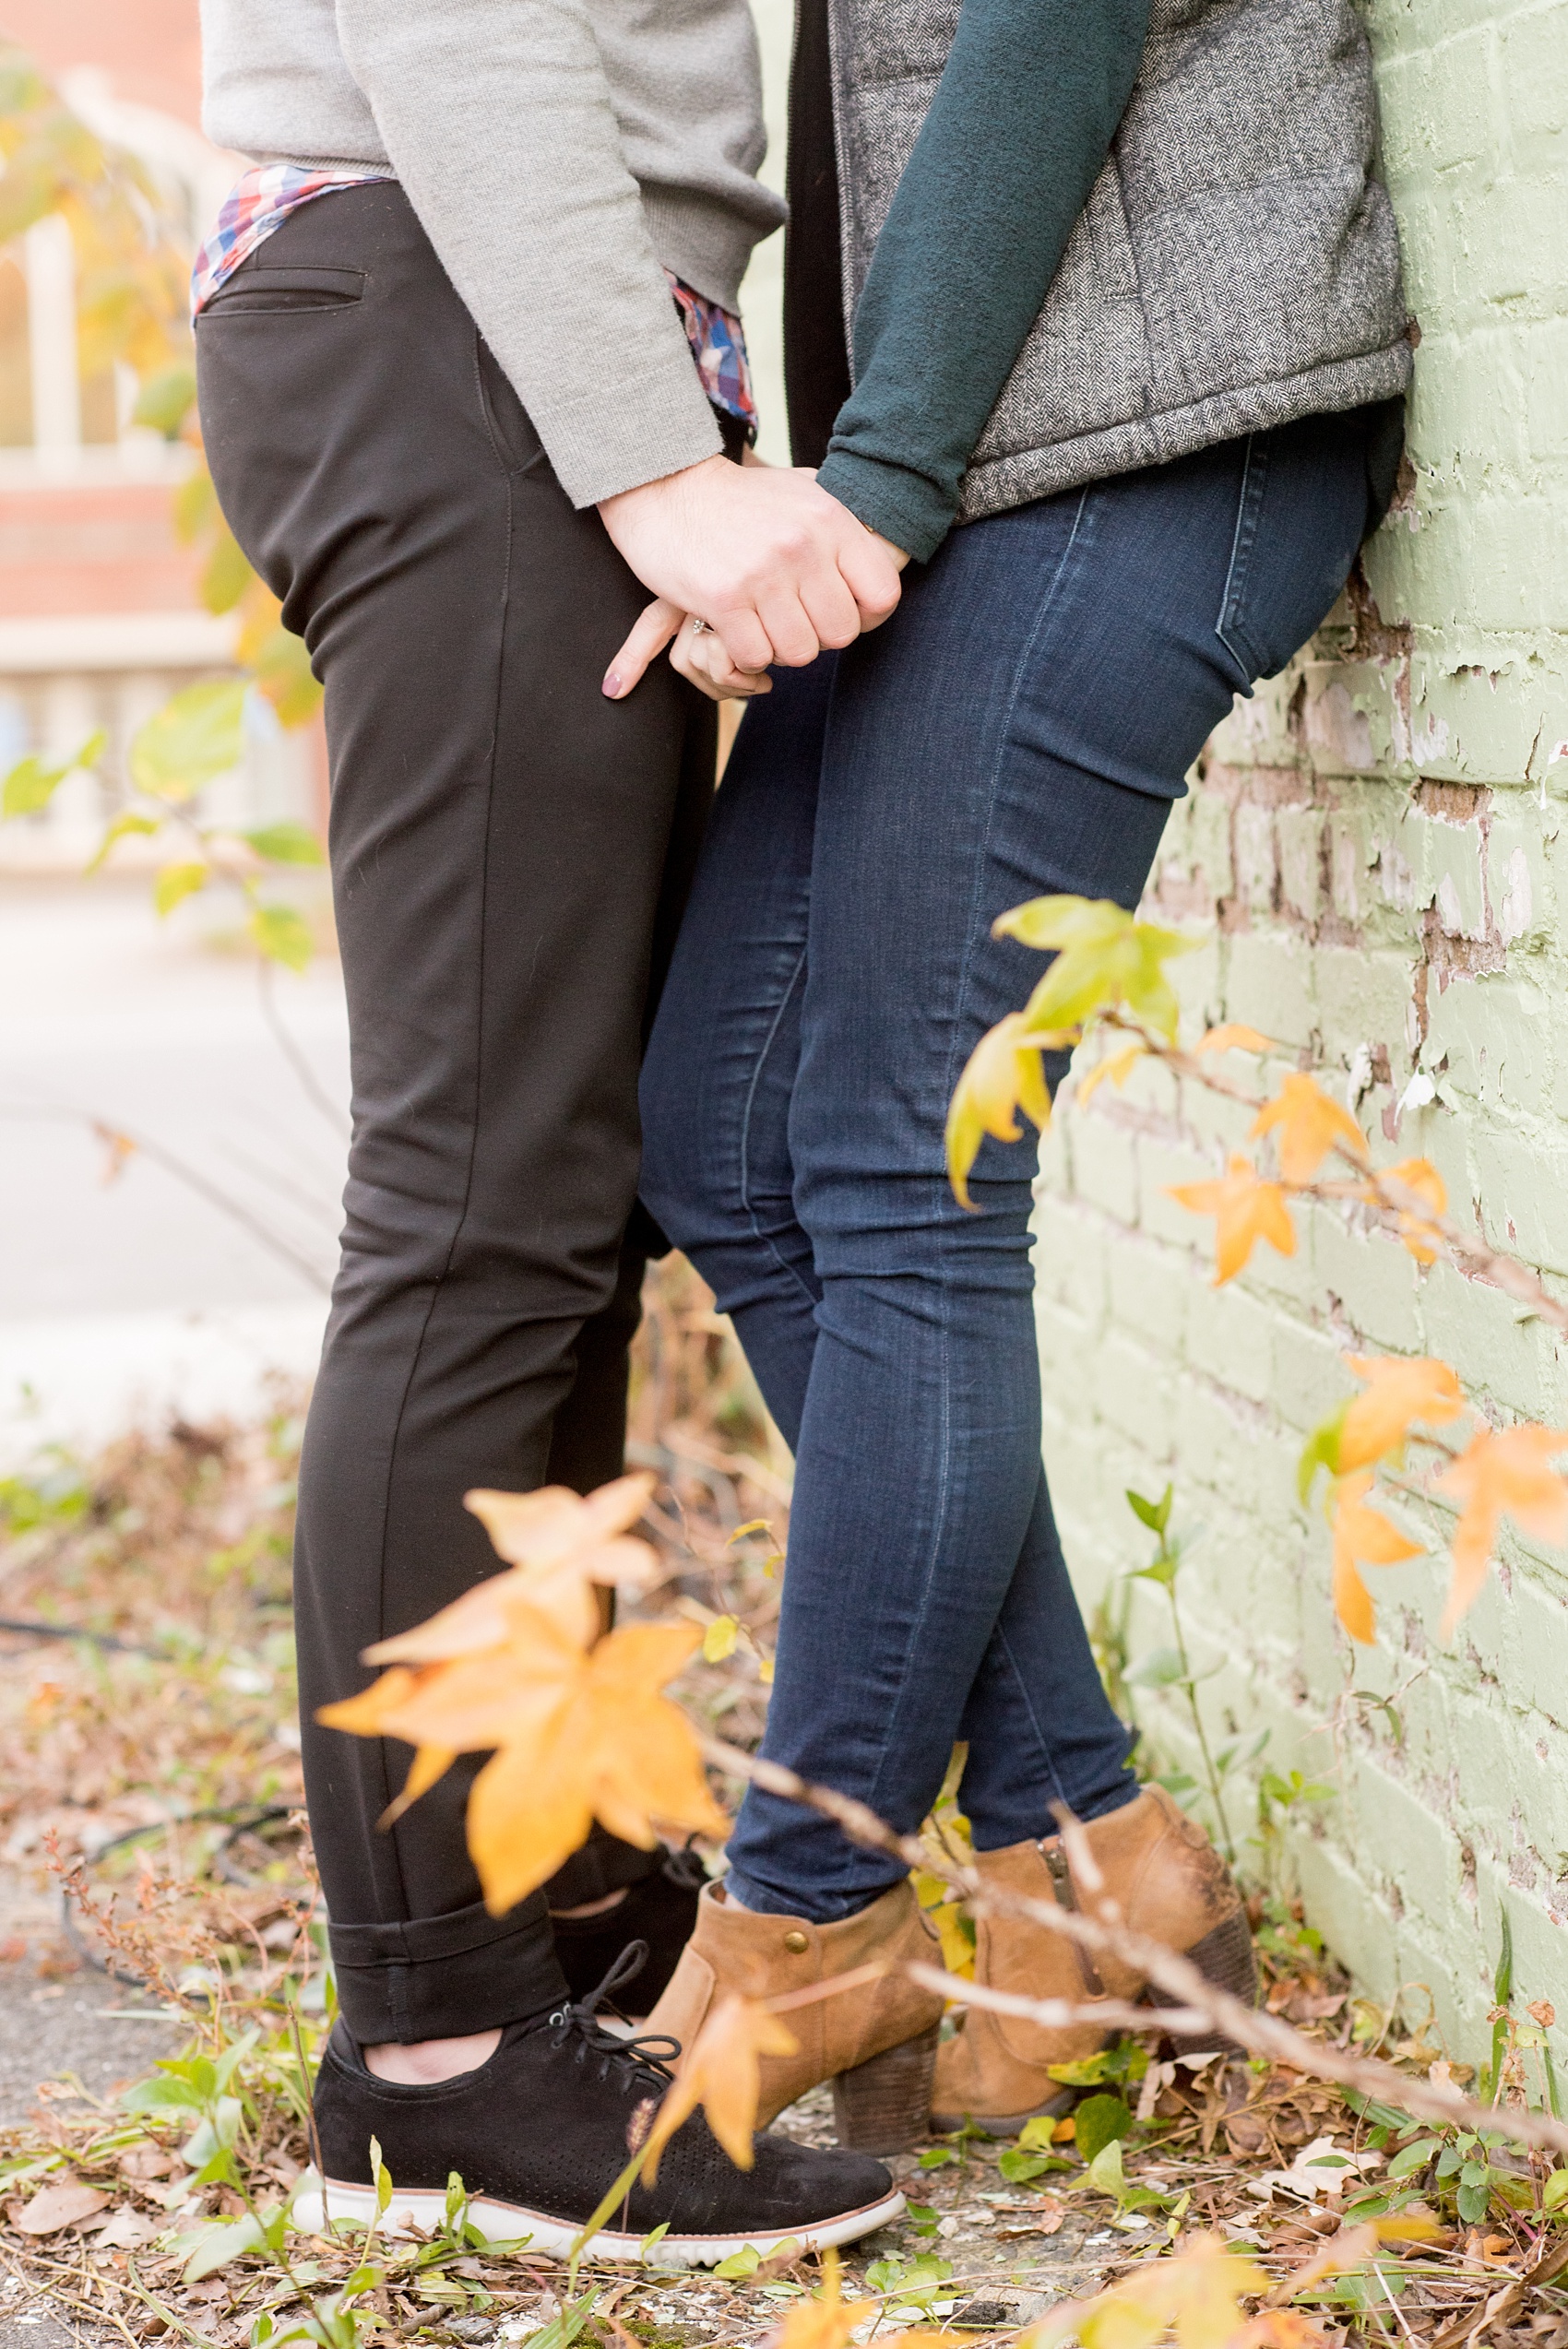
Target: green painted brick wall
(1377,850)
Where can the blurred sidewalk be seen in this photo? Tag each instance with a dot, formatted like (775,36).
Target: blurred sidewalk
(173,1286)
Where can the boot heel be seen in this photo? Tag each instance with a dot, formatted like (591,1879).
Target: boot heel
(882,2106)
(1225,1958)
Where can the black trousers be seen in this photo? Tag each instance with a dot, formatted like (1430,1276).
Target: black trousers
(510,853)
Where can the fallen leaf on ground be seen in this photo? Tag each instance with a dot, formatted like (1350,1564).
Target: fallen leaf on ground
(65,2204)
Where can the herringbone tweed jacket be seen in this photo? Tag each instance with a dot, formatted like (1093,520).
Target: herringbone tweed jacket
(1237,264)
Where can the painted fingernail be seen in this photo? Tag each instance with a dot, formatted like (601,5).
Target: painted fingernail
(611,683)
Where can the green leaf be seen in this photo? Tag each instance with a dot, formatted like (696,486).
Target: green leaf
(282,935)
(1123,2060)
(31,783)
(1099,2121)
(565,2327)
(1036,2136)
(1472,2200)
(922,2217)
(198,733)
(123,827)
(160,2094)
(936,2157)
(285,844)
(1162,1668)
(1155,1514)
(1554,2193)
(1321,1451)
(382,2176)
(223,2240)
(1022,2169)
(1502,1983)
(746,2262)
(165,401)
(1413,2157)
(176,882)
(227,574)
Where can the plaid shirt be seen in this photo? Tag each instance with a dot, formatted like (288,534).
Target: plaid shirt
(264,198)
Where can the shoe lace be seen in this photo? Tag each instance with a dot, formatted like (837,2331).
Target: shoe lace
(649,2057)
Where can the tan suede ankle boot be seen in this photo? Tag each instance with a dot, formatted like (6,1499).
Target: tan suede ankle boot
(1170,1883)
(877,2043)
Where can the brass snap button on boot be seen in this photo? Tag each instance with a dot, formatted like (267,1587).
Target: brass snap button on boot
(797,1943)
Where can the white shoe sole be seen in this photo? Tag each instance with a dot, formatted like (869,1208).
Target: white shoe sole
(425,2210)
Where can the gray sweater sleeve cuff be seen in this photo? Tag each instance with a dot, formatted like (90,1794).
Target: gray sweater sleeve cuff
(903,505)
(647,423)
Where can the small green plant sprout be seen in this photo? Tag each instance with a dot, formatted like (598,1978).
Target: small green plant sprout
(1171,1667)
(911,2283)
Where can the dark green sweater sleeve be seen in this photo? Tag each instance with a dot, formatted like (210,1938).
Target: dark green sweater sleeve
(1021,124)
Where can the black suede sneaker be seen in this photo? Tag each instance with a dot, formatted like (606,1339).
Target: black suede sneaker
(660,1909)
(539,2133)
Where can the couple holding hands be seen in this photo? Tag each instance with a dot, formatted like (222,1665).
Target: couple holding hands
(1096,353)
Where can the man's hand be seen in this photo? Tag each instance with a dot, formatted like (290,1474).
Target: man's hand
(776,566)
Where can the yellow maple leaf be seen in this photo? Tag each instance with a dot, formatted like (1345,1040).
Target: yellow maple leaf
(1399,1393)
(722,2071)
(1000,1076)
(1361,1536)
(574,1736)
(1117,1066)
(720,1638)
(1106,959)
(619,1752)
(826,2322)
(1197,2295)
(558,1543)
(1307,1125)
(1248,1210)
(1420,1235)
(1233,1037)
(1497,1475)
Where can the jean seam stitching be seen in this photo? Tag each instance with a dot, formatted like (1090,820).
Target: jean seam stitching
(960,994)
(762,1239)
(1249,506)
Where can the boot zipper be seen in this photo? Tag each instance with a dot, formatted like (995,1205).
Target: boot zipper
(1062,1884)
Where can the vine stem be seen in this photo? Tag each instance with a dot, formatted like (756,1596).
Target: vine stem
(1261,2034)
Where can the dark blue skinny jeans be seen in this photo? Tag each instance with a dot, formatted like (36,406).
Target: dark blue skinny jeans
(1019,727)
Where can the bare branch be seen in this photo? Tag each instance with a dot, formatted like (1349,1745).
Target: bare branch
(1260,2034)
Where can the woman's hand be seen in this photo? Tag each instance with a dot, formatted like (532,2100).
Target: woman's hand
(696,652)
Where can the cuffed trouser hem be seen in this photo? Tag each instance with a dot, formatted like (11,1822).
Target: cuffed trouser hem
(441,1977)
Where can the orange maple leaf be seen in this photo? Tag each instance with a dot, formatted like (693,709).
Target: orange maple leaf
(1310,1125)
(1420,1235)
(1497,1477)
(1248,1210)
(1361,1536)
(574,1736)
(559,1543)
(1399,1393)
(1000,1076)
(1233,1037)
(828,2322)
(721,2072)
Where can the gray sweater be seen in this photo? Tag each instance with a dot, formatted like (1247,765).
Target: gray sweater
(556,151)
